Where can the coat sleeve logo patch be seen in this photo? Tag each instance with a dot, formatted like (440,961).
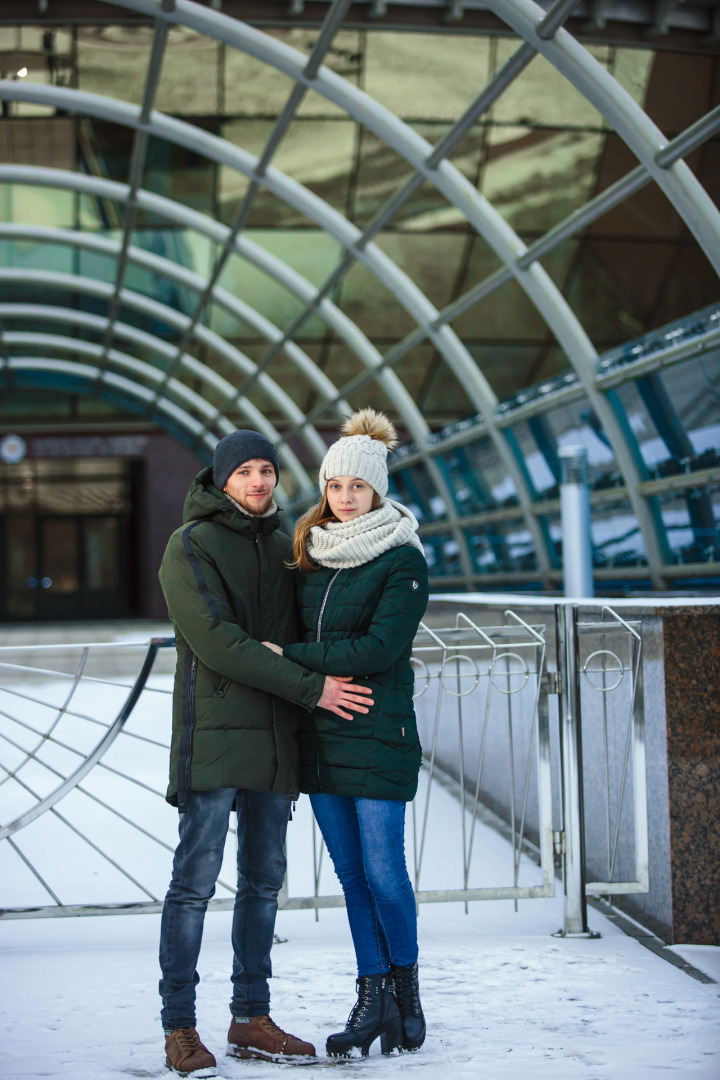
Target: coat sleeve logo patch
(415,585)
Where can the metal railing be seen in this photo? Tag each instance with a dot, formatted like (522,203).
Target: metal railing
(81,807)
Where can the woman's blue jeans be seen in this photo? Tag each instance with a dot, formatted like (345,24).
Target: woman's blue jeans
(366,842)
(262,819)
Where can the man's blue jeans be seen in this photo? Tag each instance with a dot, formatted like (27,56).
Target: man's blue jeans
(366,842)
(262,819)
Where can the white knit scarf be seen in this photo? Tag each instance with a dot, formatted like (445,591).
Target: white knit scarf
(342,544)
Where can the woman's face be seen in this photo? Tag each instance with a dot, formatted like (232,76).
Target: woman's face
(348,497)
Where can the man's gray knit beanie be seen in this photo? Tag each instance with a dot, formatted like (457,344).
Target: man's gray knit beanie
(237,448)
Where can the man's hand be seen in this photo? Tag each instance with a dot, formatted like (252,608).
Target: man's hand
(340,693)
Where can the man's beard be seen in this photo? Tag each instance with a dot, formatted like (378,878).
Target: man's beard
(254,509)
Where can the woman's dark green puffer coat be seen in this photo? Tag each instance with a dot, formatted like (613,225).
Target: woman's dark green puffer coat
(361,622)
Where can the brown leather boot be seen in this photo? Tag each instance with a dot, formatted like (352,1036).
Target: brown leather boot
(260,1037)
(186,1055)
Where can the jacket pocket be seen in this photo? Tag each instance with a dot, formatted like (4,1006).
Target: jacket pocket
(222,687)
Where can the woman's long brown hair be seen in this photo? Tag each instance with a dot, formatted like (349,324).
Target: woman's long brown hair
(320,514)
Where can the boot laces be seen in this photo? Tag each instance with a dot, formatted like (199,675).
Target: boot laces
(363,1003)
(271,1027)
(190,1040)
(406,989)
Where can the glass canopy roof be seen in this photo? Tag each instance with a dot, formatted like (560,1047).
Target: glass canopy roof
(499,222)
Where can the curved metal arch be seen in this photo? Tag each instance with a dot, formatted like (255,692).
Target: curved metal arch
(627,118)
(174,272)
(326,309)
(155,308)
(86,374)
(137,367)
(264,260)
(533,279)
(130,393)
(388,273)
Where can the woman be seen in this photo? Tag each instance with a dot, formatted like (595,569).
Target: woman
(363,590)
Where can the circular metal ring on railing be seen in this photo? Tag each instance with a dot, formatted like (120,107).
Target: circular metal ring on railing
(460,675)
(620,669)
(525,670)
(426,672)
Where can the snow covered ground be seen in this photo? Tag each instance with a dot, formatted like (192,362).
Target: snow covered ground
(502,996)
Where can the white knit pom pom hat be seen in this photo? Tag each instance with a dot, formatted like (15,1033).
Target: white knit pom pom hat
(361,451)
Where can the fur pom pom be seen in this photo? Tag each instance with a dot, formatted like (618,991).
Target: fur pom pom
(372,423)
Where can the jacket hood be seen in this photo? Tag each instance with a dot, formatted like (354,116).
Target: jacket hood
(205,502)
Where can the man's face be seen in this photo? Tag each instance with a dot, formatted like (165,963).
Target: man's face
(252,485)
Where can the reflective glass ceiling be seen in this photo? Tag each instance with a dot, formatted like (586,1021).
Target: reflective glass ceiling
(187,293)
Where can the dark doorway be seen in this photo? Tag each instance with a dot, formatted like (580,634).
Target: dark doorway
(68,540)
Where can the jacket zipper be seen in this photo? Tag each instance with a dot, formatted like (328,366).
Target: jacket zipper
(324,602)
(191,725)
(317,638)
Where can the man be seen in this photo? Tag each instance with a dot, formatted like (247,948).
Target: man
(228,587)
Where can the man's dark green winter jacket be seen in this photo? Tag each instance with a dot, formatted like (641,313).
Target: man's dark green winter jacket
(362,622)
(227,588)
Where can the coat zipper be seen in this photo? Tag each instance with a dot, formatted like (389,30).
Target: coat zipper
(324,602)
(191,725)
(317,638)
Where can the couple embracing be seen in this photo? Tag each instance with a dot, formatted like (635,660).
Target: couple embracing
(294,674)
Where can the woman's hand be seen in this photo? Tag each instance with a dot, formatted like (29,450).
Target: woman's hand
(275,648)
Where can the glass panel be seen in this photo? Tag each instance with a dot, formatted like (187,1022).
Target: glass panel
(35,205)
(426,76)
(373,307)
(507,313)
(181,247)
(314,255)
(319,154)
(180,174)
(189,79)
(59,565)
(344,57)
(506,366)
(537,446)
(431,383)
(113,60)
(576,424)
(31,255)
(252,88)
(541,95)
(501,546)
(20,565)
(432,261)
(39,141)
(101,554)
(498,486)
(694,390)
(536,178)
(418,493)
(692,523)
(631,68)
(616,537)
(443,555)
(64,486)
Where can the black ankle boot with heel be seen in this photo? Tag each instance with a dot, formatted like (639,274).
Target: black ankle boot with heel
(374,1014)
(407,995)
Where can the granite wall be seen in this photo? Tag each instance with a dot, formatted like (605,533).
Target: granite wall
(681,698)
(692,691)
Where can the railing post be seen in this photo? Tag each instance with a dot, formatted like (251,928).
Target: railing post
(575,519)
(575,908)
